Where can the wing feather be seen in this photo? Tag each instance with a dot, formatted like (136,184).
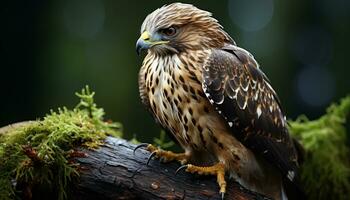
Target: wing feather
(242,94)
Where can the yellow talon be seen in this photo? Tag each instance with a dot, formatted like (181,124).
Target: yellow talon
(168,156)
(218,170)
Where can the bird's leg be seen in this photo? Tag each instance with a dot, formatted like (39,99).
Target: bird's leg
(165,156)
(217,169)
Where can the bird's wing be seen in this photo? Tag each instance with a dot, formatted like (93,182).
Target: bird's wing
(243,96)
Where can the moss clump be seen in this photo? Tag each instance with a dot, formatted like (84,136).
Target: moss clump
(39,153)
(325,173)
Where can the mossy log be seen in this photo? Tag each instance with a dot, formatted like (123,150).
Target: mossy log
(50,159)
(114,172)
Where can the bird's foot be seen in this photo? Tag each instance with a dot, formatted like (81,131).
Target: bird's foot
(217,169)
(165,156)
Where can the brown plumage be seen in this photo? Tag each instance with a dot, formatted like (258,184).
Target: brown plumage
(214,100)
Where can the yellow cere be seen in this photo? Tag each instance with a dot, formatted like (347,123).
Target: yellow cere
(145,35)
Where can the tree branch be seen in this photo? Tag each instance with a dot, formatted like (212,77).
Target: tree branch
(113,172)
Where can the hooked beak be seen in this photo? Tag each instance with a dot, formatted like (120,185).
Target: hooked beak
(143,42)
(146,41)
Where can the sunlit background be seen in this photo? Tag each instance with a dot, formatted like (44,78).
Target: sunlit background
(50,49)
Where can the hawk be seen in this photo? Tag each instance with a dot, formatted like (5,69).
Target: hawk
(214,100)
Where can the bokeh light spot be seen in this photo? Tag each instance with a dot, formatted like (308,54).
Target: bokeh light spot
(251,15)
(315,86)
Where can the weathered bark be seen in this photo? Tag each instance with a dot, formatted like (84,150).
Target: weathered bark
(114,172)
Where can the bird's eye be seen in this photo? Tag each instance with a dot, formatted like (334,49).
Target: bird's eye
(169,31)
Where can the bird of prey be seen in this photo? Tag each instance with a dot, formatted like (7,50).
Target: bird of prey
(215,101)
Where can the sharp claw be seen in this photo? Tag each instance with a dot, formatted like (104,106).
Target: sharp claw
(139,146)
(150,157)
(180,168)
(222,195)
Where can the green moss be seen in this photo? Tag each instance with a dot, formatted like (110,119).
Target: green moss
(161,142)
(39,153)
(325,173)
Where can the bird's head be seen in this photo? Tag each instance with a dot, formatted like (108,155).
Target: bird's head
(180,27)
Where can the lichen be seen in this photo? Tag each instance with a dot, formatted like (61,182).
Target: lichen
(325,174)
(39,153)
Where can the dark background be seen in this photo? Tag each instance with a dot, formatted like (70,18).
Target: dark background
(50,49)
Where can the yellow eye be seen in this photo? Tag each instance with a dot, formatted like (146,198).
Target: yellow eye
(169,31)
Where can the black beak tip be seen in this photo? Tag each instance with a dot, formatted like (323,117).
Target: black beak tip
(138,49)
(140,45)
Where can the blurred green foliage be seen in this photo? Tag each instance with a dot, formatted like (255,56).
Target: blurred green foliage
(326,171)
(162,142)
